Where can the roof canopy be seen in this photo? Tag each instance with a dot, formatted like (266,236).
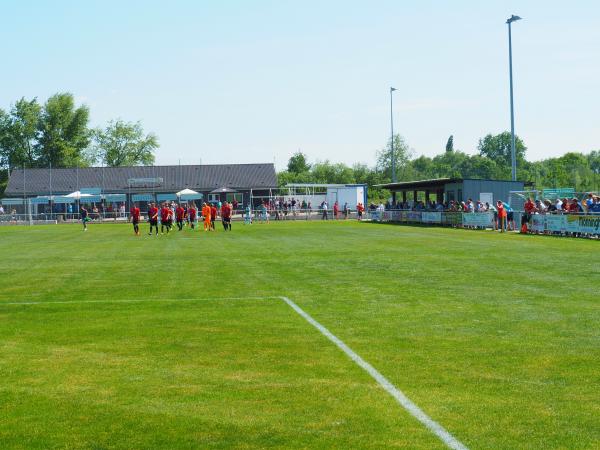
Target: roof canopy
(141,179)
(223,190)
(185,192)
(430,185)
(77,195)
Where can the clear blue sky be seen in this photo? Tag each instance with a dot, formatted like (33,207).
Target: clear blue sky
(254,81)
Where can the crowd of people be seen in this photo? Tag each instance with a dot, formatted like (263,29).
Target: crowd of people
(589,205)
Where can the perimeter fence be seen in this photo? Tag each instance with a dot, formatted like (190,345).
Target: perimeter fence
(571,224)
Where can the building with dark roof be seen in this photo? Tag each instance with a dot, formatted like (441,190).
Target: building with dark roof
(457,189)
(144,183)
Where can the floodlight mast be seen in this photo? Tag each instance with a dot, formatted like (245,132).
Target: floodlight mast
(392,131)
(513,154)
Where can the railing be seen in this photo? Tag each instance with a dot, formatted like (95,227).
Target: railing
(255,215)
(550,223)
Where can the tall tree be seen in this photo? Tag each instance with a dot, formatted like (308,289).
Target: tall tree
(298,163)
(124,144)
(498,148)
(450,144)
(402,155)
(18,134)
(63,132)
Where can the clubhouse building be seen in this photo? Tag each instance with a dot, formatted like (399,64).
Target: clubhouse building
(54,189)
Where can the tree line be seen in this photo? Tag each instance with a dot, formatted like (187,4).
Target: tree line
(492,161)
(57,133)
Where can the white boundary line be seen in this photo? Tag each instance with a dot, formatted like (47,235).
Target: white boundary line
(404,401)
(398,395)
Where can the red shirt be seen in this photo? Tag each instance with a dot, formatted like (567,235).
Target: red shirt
(213,212)
(226,211)
(192,213)
(180,213)
(135,213)
(165,214)
(153,212)
(529,206)
(501,211)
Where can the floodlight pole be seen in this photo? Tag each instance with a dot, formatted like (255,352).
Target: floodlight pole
(392,132)
(513,154)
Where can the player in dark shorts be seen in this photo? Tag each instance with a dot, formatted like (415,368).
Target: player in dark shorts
(135,219)
(213,216)
(165,218)
(226,216)
(153,218)
(180,215)
(192,212)
(84,217)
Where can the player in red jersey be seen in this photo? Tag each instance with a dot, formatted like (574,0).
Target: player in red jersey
(135,219)
(180,216)
(226,216)
(213,216)
(153,218)
(192,212)
(166,217)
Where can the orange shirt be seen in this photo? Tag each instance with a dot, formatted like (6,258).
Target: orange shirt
(501,211)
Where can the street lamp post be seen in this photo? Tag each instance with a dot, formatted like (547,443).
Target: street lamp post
(513,154)
(392,131)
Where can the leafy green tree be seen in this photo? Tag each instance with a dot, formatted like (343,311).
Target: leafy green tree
(326,172)
(18,134)
(402,155)
(123,144)
(450,144)
(498,148)
(298,163)
(63,132)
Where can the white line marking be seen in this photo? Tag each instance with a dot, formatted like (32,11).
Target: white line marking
(400,397)
(138,300)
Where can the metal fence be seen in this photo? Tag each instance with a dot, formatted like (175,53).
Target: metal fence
(255,215)
(571,224)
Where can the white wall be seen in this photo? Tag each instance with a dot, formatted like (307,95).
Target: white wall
(351,195)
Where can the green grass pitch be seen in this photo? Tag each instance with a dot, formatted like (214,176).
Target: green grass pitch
(495,337)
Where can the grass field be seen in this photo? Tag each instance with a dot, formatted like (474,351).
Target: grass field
(182,341)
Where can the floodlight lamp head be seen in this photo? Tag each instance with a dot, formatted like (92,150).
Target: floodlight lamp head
(512,19)
(392,89)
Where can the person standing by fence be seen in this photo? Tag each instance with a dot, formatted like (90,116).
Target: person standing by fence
(501,216)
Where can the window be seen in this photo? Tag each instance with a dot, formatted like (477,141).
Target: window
(235,196)
(459,196)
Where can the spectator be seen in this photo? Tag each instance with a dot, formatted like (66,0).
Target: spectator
(595,209)
(502,214)
(470,206)
(558,205)
(575,206)
(590,201)
(1,210)
(510,219)
(324,209)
